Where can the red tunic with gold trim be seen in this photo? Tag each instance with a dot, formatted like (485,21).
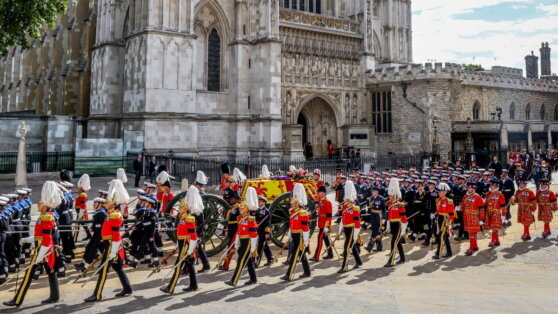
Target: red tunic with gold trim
(319,183)
(44,229)
(495,203)
(111,230)
(526,205)
(325,213)
(396,212)
(472,206)
(299,221)
(445,207)
(350,216)
(81,203)
(247,227)
(165,199)
(547,205)
(186,227)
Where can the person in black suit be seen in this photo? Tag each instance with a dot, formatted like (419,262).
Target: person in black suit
(497,166)
(153,169)
(138,169)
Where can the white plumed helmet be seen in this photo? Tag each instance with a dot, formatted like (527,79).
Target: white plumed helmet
(350,191)
(201,178)
(393,188)
(50,194)
(443,187)
(251,199)
(84,182)
(265,172)
(299,194)
(121,175)
(238,176)
(194,200)
(117,192)
(162,177)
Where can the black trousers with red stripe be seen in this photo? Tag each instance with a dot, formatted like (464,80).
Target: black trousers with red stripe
(322,239)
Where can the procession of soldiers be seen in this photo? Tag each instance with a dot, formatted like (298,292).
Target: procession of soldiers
(434,205)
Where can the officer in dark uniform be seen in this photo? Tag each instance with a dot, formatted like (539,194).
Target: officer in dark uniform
(65,221)
(264,231)
(508,189)
(416,223)
(94,244)
(430,196)
(17,215)
(137,252)
(3,229)
(377,213)
(458,191)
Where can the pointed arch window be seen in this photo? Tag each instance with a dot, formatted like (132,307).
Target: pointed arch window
(214,61)
(476,111)
(556,113)
(512,111)
(528,112)
(543,112)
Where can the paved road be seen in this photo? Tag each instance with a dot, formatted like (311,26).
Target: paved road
(518,277)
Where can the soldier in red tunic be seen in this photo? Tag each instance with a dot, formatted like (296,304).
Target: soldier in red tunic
(396,222)
(325,213)
(547,205)
(350,224)
(472,206)
(246,239)
(526,206)
(445,212)
(317,177)
(299,224)
(167,196)
(44,252)
(187,240)
(81,205)
(111,246)
(495,203)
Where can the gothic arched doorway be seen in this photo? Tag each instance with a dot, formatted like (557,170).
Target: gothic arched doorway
(319,125)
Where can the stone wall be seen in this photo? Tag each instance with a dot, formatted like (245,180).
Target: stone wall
(53,76)
(449,94)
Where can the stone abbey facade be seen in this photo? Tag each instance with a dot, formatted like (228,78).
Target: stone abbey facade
(254,77)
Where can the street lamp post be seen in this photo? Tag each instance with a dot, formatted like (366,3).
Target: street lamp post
(435,142)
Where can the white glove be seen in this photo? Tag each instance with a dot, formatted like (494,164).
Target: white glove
(388,227)
(236,242)
(404,228)
(115,247)
(289,237)
(457,208)
(356,231)
(306,237)
(43,250)
(191,247)
(340,230)
(27,240)
(503,218)
(326,230)
(481,222)
(432,216)
(253,244)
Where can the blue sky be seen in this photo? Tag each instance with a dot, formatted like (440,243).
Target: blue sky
(487,32)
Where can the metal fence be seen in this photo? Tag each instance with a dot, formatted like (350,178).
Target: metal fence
(38,161)
(187,167)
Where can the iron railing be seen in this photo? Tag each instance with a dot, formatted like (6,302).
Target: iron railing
(38,161)
(186,167)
